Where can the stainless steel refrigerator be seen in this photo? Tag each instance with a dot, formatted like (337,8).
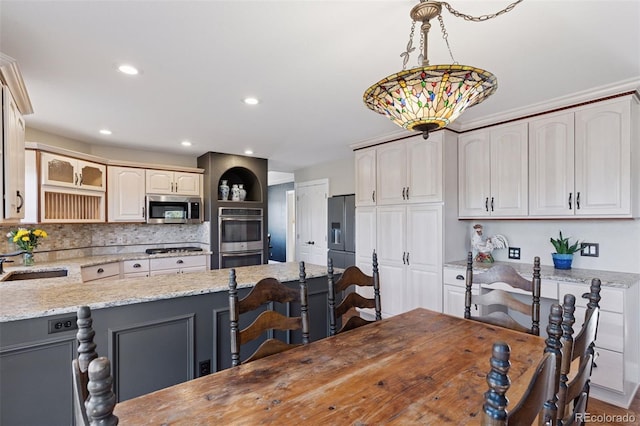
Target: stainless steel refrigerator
(341,234)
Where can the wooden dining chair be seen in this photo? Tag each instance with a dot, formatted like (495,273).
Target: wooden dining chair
(573,392)
(540,398)
(266,292)
(499,301)
(351,279)
(93,397)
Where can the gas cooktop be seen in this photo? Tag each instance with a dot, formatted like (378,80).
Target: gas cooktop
(171,250)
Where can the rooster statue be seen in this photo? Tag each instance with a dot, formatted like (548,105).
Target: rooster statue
(482,247)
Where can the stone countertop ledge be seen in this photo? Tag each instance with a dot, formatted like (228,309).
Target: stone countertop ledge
(575,275)
(52,296)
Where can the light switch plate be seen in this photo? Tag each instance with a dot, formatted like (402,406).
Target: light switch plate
(514,252)
(590,249)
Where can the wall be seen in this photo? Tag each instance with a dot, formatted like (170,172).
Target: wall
(277,227)
(619,240)
(109,151)
(67,241)
(341,175)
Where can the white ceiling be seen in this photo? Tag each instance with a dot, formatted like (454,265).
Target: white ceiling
(308,61)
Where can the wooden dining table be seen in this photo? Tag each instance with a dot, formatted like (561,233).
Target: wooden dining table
(419,367)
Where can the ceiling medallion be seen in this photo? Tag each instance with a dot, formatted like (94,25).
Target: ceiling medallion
(429,97)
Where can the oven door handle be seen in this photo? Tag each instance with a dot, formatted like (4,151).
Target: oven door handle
(241,254)
(242,219)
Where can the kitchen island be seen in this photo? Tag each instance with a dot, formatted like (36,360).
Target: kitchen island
(157,331)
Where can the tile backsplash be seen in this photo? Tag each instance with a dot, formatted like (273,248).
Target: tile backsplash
(67,241)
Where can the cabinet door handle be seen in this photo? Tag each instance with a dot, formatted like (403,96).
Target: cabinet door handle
(404,190)
(404,257)
(570,194)
(180,261)
(80,179)
(491,203)
(373,195)
(100,270)
(459,277)
(408,258)
(21,201)
(578,201)
(486,204)
(407,192)
(137,265)
(75,180)
(143,213)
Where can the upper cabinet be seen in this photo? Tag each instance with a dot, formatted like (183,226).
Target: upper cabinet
(492,172)
(174,183)
(14,103)
(580,162)
(365,164)
(59,170)
(13,160)
(126,194)
(401,172)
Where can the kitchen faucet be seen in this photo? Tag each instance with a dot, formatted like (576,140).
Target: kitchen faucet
(3,259)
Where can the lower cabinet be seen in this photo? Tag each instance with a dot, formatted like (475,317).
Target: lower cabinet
(177,265)
(616,373)
(107,271)
(151,345)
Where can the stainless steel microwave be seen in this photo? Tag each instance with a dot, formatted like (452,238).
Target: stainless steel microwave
(173,209)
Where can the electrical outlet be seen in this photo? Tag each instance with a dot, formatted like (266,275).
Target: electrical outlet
(63,324)
(205,367)
(514,252)
(590,249)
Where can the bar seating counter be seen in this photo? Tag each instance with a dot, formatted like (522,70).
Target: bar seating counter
(157,331)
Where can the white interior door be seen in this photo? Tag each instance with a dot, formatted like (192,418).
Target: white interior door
(311,221)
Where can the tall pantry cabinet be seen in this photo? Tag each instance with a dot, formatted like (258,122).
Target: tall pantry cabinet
(400,205)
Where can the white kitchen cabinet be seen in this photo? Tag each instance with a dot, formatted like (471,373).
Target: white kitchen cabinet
(135,268)
(174,183)
(365,164)
(580,161)
(492,168)
(12,153)
(410,171)
(126,194)
(107,271)
(59,170)
(409,247)
(177,265)
(453,291)
(617,362)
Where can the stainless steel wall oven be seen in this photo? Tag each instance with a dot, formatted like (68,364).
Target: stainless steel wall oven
(240,236)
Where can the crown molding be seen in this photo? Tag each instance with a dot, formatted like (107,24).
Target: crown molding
(630,85)
(11,76)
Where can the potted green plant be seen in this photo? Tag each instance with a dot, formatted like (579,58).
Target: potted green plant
(563,256)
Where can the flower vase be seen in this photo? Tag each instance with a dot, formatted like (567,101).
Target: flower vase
(235,193)
(27,259)
(243,192)
(224,191)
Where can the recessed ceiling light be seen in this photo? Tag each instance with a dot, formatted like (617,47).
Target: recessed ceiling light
(128,69)
(248,152)
(185,143)
(251,101)
(105,131)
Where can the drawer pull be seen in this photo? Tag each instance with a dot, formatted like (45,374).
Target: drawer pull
(137,265)
(100,270)
(180,262)
(459,277)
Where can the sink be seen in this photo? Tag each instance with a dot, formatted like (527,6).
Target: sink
(35,275)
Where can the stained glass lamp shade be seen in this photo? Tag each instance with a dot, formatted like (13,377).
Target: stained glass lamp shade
(429,97)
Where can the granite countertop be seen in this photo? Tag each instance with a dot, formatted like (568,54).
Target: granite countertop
(51,296)
(576,275)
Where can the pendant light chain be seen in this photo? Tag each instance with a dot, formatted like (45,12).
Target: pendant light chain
(405,55)
(480,18)
(445,36)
